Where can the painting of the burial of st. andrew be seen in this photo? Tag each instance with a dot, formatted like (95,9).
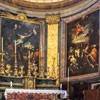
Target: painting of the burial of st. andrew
(20,44)
(83,45)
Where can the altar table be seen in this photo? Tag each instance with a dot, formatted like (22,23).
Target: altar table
(27,94)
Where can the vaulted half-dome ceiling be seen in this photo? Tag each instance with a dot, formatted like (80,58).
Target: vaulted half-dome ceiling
(43,1)
(40,8)
(42,4)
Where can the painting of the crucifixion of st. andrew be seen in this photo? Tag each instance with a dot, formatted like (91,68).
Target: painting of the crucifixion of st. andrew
(83,44)
(24,33)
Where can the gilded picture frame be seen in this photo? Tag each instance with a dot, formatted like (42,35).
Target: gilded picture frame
(70,44)
(13,28)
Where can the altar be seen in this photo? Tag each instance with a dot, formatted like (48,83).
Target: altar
(28,94)
(23,63)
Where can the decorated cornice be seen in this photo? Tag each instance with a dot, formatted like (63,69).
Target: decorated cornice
(41,6)
(65,11)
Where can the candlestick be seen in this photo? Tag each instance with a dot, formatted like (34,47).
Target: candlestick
(68,85)
(11,84)
(29,68)
(2,44)
(68,74)
(15,46)
(60,86)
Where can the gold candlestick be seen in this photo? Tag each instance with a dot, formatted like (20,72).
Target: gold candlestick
(29,68)
(2,72)
(15,46)
(2,51)
(15,64)
(2,44)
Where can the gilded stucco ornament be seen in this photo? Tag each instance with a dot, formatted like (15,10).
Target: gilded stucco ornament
(52,19)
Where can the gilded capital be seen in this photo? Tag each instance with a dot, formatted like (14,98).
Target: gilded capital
(52,19)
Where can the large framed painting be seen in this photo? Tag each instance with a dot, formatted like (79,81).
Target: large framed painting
(82,47)
(25,35)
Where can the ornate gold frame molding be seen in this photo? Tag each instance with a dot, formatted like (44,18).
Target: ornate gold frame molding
(24,18)
(20,17)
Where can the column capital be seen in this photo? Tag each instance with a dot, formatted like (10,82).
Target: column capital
(53,18)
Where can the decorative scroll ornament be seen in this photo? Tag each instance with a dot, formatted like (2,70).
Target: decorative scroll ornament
(52,19)
(9,15)
(30,84)
(21,16)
